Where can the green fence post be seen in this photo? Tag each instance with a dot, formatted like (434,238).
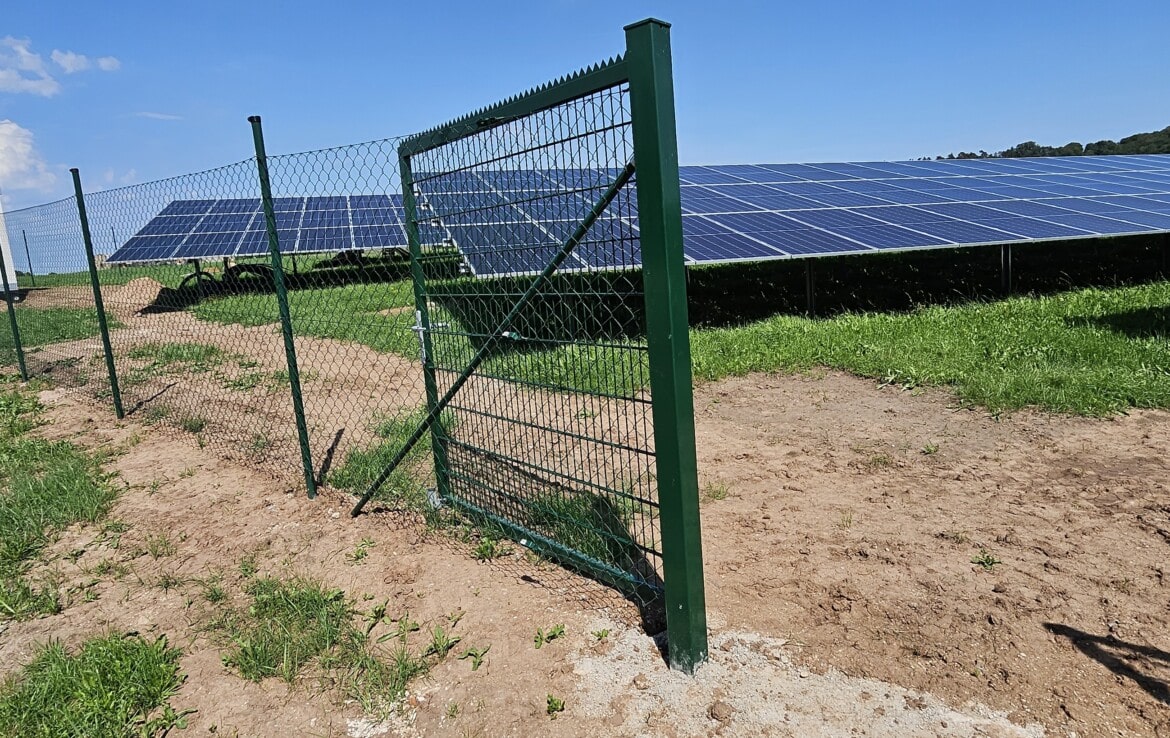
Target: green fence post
(290,351)
(103,326)
(32,275)
(667,329)
(423,325)
(12,320)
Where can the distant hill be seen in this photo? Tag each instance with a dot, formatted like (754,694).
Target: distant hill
(1156,142)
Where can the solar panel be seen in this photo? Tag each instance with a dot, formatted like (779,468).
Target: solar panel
(205,229)
(509,222)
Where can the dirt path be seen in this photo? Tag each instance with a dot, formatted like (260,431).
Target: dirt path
(854,513)
(788,657)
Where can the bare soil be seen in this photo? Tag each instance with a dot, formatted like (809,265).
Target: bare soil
(840,521)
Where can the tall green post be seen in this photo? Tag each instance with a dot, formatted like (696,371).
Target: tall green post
(290,351)
(103,326)
(12,324)
(32,274)
(667,327)
(423,325)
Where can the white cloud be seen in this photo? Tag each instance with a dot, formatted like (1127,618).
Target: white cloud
(23,71)
(159,116)
(21,166)
(70,62)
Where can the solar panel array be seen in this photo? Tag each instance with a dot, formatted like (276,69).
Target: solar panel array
(749,212)
(201,229)
(508,222)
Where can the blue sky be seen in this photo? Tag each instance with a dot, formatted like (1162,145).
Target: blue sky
(154,89)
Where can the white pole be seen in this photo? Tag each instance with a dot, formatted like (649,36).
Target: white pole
(6,249)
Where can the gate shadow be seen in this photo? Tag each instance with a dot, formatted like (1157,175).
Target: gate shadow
(1122,658)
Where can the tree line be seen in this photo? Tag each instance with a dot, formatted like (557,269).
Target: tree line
(1155,142)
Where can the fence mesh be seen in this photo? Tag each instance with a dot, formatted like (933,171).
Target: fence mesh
(550,438)
(56,315)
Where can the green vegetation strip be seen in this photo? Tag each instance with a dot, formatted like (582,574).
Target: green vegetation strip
(40,326)
(1087,352)
(44,487)
(113,687)
(292,624)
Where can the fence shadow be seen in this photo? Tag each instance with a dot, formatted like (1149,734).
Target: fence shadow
(1148,322)
(1130,660)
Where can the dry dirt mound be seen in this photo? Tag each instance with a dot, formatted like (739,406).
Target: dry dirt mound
(133,297)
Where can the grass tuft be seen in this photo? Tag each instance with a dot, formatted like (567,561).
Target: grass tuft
(114,686)
(292,625)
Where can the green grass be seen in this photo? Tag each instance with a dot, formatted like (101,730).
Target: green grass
(197,357)
(363,465)
(293,624)
(345,313)
(1087,352)
(44,487)
(41,326)
(167,274)
(1092,351)
(114,686)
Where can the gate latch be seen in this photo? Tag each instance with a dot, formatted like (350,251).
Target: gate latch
(419,329)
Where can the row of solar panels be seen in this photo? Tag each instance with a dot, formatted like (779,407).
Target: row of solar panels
(513,221)
(201,229)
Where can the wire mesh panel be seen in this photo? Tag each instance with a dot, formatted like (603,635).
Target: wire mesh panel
(550,437)
(558,395)
(56,317)
(188,288)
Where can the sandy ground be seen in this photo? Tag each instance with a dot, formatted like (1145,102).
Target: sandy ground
(840,521)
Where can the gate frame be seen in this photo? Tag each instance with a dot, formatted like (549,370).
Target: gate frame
(646,68)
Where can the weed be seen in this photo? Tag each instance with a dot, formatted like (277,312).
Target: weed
(554,705)
(169,581)
(187,473)
(547,636)
(193,424)
(113,686)
(156,414)
(930,449)
(248,566)
(404,626)
(441,643)
(452,710)
(985,559)
(954,536)
(159,546)
(245,382)
(715,491)
(111,568)
(602,634)
(189,357)
(476,655)
(260,442)
(361,551)
(490,548)
(213,591)
(845,522)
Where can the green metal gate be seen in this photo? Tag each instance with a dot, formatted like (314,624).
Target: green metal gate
(556,360)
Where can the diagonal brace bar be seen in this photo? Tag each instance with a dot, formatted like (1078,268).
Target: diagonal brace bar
(500,332)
